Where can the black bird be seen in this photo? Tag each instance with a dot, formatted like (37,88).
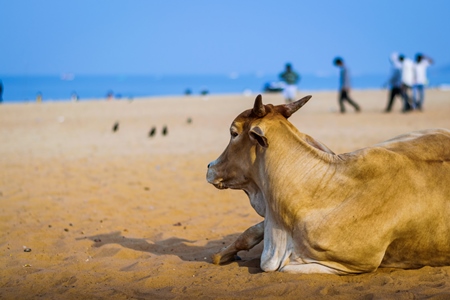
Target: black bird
(152,131)
(189,120)
(164,130)
(115,127)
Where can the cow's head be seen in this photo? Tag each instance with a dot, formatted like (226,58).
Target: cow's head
(235,168)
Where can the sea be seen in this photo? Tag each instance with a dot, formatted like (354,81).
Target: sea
(68,86)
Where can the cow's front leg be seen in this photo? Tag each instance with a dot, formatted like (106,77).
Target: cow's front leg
(277,245)
(246,241)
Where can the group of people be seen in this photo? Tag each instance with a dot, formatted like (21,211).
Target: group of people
(408,80)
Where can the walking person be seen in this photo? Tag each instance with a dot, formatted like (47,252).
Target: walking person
(1,91)
(344,86)
(420,79)
(290,79)
(395,81)
(407,82)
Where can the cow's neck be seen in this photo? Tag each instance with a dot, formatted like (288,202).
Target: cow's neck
(292,171)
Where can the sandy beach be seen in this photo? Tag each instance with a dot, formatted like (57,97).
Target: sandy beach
(89,213)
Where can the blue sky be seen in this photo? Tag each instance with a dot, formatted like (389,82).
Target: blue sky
(215,37)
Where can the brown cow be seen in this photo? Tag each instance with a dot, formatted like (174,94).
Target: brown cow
(387,205)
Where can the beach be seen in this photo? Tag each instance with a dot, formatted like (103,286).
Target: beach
(92,213)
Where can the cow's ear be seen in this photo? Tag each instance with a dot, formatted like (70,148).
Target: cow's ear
(288,110)
(257,134)
(258,108)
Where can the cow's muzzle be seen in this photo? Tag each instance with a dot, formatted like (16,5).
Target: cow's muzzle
(211,177)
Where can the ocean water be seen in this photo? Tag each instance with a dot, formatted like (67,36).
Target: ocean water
(63,87)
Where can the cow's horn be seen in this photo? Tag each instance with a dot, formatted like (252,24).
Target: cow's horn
(258,108)
(291,108)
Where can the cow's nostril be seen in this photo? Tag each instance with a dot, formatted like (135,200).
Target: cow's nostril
(209,165)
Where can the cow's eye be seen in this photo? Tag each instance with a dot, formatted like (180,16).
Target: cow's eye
(234,134)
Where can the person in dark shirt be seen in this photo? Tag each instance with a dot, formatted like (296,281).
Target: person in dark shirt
(344,86)
(395,81)
(1,91)
(290,79)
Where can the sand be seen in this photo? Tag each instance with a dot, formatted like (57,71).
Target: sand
(121,215)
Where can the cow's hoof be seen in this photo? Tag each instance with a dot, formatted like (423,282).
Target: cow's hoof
(219,259)
(216,258)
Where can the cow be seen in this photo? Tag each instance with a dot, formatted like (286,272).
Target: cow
(387,205)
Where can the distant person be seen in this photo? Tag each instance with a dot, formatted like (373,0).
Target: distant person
(420,72)
(1,91)
(407,82)
(75,97)
(344,86)
(395,81)
(110,95)
(290,79)
(39,97)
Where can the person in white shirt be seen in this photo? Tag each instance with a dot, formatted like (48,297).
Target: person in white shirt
(420,79)
(407,82)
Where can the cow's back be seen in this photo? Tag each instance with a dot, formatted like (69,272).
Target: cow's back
(417,163)
(432,145)
(423,155)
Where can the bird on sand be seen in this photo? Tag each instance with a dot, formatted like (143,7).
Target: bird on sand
(152,131)
(115,127)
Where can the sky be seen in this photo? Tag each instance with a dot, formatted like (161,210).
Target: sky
(162,37)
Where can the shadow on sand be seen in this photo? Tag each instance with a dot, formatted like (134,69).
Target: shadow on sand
(183,248)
